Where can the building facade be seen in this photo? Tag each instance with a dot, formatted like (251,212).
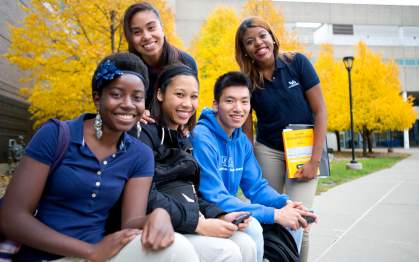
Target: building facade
(14,116)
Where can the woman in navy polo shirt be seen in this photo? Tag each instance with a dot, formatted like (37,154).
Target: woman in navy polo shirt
(144,33)
(101,164)
(286,90)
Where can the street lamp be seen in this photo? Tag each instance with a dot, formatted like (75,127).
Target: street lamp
(348,62)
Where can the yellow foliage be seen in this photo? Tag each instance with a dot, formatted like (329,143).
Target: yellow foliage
(213,50)
(334,83)
(267,10)
(60,43)
(377,103)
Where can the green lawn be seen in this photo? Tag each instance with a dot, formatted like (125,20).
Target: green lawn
(341,175)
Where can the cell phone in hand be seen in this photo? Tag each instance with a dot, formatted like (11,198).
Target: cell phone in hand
(309,219)
(241,218)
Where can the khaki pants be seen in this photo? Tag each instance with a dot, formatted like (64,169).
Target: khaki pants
(180,250)
(240,247)
(274,170)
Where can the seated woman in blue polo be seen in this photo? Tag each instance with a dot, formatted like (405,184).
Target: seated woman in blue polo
(101,164)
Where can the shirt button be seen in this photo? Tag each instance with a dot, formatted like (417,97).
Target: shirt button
(113,155)
(98,184)
(99,172)
(93,195)
(273,78)
(105,162)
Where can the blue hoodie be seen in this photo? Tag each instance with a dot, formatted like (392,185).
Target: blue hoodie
(229,163)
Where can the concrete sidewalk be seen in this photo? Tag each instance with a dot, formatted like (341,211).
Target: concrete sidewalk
(374,218)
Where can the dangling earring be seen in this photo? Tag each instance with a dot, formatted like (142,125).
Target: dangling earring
(245,55)
(274,43)
(138,129)
(97,126)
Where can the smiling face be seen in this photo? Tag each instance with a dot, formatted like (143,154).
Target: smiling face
(147,36)
(232,108)
(179,100)
(121,103)
(259,45)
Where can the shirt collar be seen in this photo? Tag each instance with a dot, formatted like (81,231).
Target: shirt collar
(78,138)
(124,142)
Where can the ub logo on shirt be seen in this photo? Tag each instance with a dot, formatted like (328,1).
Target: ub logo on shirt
(226,162)
(228,165)
(292,83)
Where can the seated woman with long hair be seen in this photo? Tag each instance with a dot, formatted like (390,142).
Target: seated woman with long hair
(101,164)
(208,228)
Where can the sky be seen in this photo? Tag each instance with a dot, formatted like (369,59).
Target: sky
(373,2)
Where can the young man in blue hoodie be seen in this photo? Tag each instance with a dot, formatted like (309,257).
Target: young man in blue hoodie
(227,162)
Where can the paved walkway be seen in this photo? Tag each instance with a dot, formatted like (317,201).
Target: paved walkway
(374,218)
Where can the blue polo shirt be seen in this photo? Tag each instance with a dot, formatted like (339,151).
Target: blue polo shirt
(78,196)
(282,101)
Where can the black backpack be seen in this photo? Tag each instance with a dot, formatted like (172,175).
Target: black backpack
(279,245)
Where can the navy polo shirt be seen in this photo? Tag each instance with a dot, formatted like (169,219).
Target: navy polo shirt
(78,196)
(282,101)
(185,58)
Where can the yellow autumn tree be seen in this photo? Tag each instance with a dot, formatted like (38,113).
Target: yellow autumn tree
(267,10)
(60,42)
(334,84)
(213,50)
(377,103)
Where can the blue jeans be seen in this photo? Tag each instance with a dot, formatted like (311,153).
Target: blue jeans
(255,231)
(298,237)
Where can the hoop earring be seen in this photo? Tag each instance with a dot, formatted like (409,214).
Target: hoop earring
(97,126)
(138,129)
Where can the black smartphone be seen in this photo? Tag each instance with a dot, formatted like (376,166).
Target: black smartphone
(241,218)
(309,219)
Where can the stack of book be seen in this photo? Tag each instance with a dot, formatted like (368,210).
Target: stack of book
(298,147)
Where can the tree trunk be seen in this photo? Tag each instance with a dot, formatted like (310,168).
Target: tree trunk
(338,140)
(364,142)
(369,133)
(113,29)
(390,144)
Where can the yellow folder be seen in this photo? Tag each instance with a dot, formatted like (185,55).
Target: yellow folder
(298,146)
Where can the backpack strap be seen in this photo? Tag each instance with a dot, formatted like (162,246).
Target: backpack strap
(62,143)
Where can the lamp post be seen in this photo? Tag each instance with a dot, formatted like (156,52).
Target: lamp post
(348,62)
